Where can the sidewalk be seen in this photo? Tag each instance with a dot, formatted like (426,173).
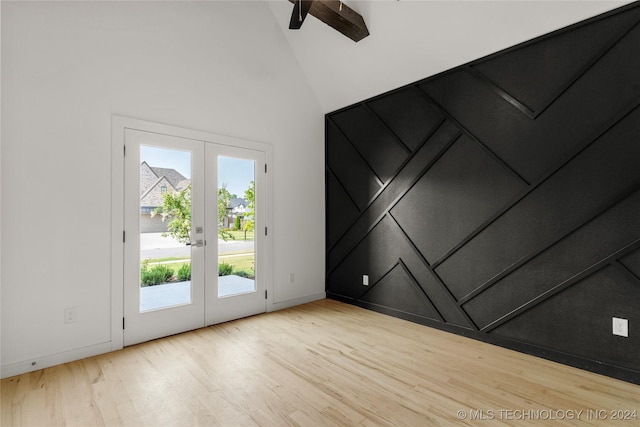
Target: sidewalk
(171,294)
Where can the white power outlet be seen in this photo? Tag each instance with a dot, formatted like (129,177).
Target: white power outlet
(292,278)
(365,279)
(620,327)
(70,314)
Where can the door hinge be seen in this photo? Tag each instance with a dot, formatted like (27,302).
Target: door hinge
(123,323)
(265,231)
(265,294)
(124,150)
(123,236)
(265,168)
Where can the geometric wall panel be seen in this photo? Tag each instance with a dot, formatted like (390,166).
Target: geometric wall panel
(501,198)
(568,198)
(350,168)
(583,249)
(535,75)
(578,320)
(382,151)
(453,198)
(398,291)
(408,114)
(632,263)
(427,154)
(340,209)
(533,147)
(374,256)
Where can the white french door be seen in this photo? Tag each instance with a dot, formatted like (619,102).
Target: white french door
(236,273)
(194,234)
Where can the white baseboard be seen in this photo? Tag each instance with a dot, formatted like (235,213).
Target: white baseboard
(37,363)
(47,361)
(297,301)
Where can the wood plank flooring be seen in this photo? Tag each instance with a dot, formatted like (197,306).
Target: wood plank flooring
(319,364)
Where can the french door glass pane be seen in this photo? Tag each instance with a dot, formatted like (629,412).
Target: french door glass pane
(165,225)
(236,223)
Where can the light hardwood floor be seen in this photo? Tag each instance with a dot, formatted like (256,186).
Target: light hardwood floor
(319,364)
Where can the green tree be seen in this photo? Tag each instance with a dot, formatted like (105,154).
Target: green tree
(224,201)
(177,210)
(250,212)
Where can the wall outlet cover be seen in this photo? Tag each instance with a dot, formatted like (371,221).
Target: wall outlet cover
(621,327)
(70,314)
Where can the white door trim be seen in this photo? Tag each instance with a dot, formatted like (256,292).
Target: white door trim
(118,126)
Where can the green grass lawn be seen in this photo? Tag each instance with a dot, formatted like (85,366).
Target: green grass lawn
(240,235)
(239,263)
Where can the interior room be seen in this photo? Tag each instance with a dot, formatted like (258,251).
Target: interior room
(425,212)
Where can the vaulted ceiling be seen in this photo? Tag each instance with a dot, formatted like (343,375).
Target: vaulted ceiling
(411,40)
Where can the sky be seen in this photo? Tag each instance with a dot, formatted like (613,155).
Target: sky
(236,173)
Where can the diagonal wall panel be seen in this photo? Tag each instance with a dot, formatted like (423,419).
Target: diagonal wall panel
(454,197)
(383,152)
(398,291)
(537,74)
(533,147)
(585,247)
(574,194)
(340,208)
(350,169)
(585,310)
(442,138)
(408,115)
(632,263)
(501,198)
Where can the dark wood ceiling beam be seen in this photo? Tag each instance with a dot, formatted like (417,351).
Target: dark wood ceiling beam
(339,16)
(300,10)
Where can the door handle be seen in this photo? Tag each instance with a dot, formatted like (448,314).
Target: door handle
(197,243)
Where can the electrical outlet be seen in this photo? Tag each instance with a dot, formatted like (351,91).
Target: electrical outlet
(620,327)
(292,278)
(70,314)
(365,279)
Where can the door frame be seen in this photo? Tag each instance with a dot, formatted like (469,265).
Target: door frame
(118,126)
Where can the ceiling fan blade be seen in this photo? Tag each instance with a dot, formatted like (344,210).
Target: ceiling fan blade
(300,11)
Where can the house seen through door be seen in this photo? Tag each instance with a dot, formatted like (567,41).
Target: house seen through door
(194,234)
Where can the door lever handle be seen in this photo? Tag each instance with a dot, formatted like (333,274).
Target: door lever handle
(197,243)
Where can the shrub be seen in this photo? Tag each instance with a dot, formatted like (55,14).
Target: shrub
(244,273)
(237,225)
(155,275)
(224,269)
(184,272)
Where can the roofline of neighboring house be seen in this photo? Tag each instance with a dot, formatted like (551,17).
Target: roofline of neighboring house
(155,184)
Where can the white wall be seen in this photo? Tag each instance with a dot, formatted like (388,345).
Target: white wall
(414,39)
(220,67)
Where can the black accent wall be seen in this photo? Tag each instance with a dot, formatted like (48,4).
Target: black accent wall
(500,200)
